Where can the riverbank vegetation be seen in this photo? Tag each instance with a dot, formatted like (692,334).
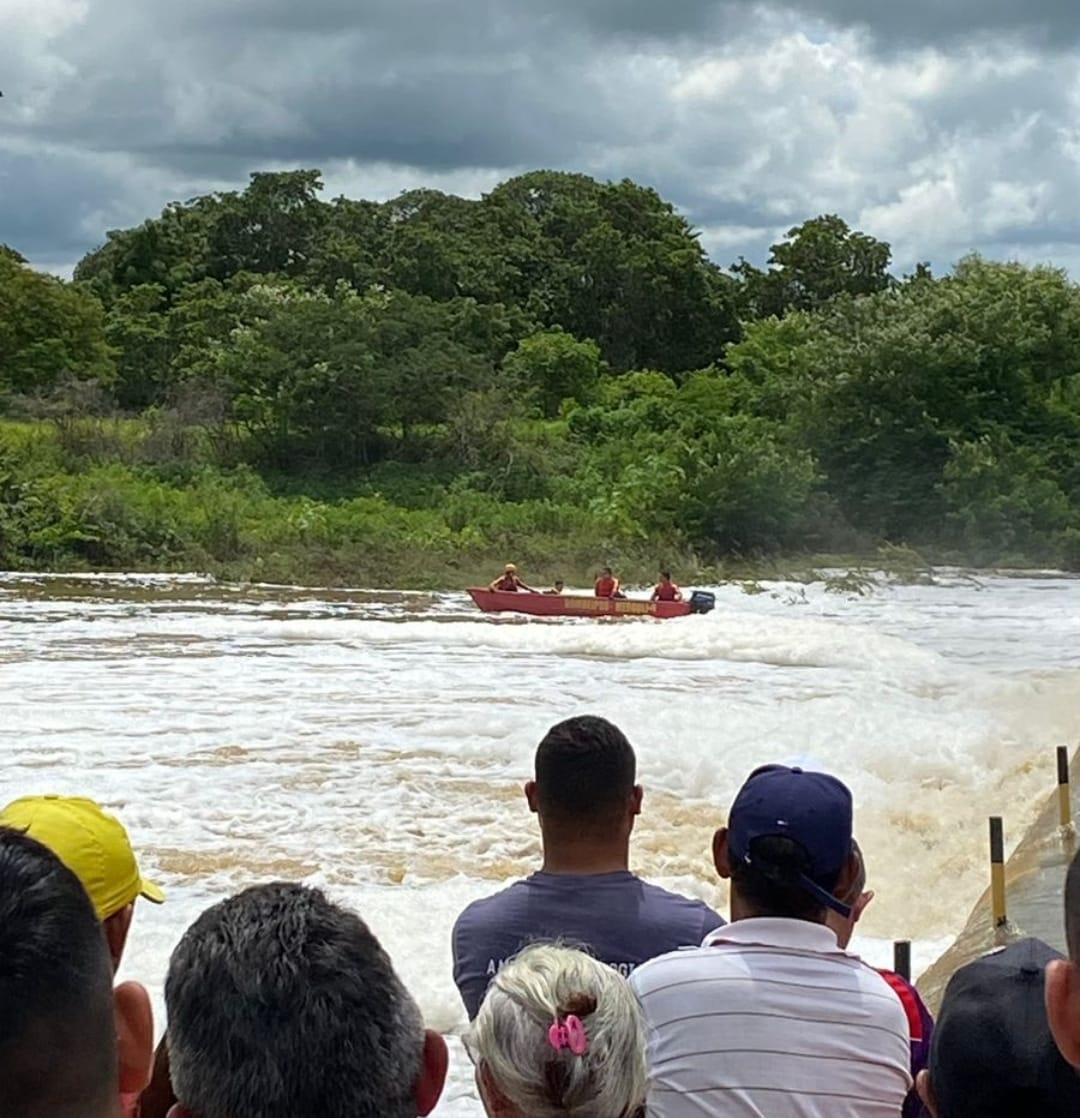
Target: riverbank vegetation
(265,384)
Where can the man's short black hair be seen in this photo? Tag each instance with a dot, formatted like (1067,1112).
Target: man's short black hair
(283,1004)
(770,885)
(666,574)
(1072,909)
(57,1031)
(585,769)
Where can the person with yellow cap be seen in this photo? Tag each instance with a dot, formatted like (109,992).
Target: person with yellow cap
(94,845)
(510,580)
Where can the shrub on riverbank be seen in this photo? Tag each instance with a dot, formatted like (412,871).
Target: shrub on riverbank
(65,512)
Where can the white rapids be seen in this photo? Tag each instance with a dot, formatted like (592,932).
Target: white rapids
(374,743)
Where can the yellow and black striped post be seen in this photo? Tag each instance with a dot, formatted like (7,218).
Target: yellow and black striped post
(997,871)
(1064,797)
(902,958)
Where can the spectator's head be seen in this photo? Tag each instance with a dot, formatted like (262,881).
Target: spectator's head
(559,584)
(95,847)
(856,898)
(58,1032)
(665,576)
(559,1033)
(607,572)
(787,847)
(992,1055)
(282,1004)
(1063,976)
(584,791)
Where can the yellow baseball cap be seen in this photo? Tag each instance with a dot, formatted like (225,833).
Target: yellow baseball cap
(90,842)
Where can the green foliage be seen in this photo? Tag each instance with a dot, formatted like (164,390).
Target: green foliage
(50,331)
(819,260)
(941,410)
(747,489)
(554,366)
(1001,499)
(264,377)
(139,335)
(608,261)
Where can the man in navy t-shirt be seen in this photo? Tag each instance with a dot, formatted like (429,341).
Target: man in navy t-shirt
(584,894)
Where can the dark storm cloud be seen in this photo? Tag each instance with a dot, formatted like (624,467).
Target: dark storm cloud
(1053,22)
(427,85)
(943,126)
(55,205)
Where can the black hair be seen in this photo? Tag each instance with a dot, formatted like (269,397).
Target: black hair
(1072,909)
(769,884)
(666,574)
(585,770)
(281,1003)
(57,1030)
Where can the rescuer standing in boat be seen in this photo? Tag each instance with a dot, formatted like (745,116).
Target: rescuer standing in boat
(510,581)
(665,590)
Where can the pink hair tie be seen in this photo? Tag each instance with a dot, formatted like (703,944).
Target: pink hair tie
(570,1034)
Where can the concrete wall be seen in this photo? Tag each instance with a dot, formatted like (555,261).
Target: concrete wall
(1035,881)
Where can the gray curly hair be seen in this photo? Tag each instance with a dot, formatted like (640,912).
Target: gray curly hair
(509,1038)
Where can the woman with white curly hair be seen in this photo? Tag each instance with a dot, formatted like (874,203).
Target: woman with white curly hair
(559,1034)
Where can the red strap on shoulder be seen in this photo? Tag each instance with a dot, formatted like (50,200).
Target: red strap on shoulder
(909,1000)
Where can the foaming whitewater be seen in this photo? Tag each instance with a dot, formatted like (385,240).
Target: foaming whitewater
(374,743)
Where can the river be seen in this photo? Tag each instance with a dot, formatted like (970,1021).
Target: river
(375,743)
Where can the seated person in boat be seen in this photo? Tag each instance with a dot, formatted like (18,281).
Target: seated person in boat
(509,581)
(607,585)
(557,587)
(665,590)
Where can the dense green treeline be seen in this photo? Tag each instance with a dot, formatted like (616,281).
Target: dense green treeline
(266,382)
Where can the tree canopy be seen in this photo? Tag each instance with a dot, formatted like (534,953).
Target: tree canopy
(567,342)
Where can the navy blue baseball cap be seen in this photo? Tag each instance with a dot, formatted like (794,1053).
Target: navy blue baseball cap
(812,809)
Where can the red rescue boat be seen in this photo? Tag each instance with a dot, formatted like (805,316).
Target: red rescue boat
(584,605)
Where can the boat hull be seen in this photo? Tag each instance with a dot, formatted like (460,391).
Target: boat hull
(572,605)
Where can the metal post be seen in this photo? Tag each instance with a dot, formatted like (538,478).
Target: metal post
(997,871)
(1064,797)
(902,958)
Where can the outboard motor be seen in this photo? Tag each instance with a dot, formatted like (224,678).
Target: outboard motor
(701,601)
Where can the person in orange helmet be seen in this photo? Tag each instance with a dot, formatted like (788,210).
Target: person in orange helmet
(509,580)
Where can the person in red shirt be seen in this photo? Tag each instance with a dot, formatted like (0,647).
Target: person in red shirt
(607,585)
(920,1022)
(665,590)
(509,581)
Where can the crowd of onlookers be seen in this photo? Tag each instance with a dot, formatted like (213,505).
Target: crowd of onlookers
(590,992)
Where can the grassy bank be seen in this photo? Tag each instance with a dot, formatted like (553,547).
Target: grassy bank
(108,495)
(132,495)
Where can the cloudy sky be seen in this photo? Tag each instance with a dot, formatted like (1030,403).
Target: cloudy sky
(939,125)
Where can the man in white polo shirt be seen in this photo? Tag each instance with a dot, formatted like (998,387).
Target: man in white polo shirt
(770,1018)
